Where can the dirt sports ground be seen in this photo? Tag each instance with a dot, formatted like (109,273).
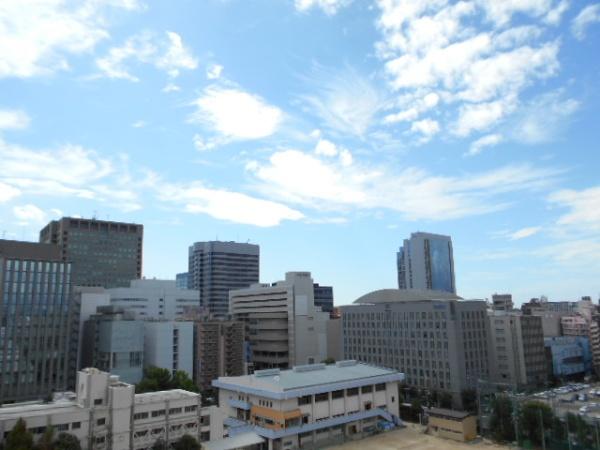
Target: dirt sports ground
(410,438)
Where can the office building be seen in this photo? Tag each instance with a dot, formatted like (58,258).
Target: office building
(324,297)
(438,340)
(517,350)
(311,406)
(215,268)
(113,341)
(106,414)
(426,261)
(574,325)
(568,357)
(502,302)
(107,254)
(219,346)
(38,322)
(169,345)
(154,299)
(283,326)
(181,280)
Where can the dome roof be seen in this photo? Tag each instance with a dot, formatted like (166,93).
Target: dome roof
(405,295)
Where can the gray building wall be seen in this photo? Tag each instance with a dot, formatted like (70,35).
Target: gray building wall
(217,267)
(38,322)
(426,261)
(107,254)
(438,344)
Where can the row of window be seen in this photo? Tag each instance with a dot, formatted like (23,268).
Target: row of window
(324,396)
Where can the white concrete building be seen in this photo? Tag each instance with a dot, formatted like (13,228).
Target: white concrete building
(283,326)
(313,405)
(170,345)
(106,414)
(155,299)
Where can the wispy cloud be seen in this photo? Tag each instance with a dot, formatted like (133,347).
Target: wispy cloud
(523,233)
(586,17)
(344,100)
(26,214)
(488,140)
(38,37)
(583,208)
(167,53)
(329,7)
(11,119)
(214,71)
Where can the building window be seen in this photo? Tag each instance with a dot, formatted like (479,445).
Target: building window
(76,425)
(351,392)
(100,439)
(366,389)
(140,416)
(98,401)
(175,411)
(62,427)
(337,394)
(380,387)
(158,413)
(101,421)
(324,397)
(191,408)
(305,400)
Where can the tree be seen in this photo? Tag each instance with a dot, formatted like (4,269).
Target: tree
(501,420)
(160,444)
(46,442)
(19,438)
(159,379)
(531,417)
(328,360)
(581,429)
(416,408)
(469,400)
(186,442)
(66,441)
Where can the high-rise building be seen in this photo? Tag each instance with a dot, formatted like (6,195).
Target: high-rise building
(219,348)
(426,261)
(437,339)
(113,341)
(216,267)
(518,357)
(169,345)
(324,297)
(154,299)
(38,322)
(181,280)
(283,327)
(107,254)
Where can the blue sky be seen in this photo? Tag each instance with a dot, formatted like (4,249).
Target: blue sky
(324,130)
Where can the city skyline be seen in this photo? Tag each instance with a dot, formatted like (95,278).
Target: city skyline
(326,146)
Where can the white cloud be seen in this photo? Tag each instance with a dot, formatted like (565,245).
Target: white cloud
(171,87)
(11,119)
(227,205)
(488,140)
(468,54)
(586,17)
(37,36)
(427,127)
(584,208)
(169,55)
(326,148)
(8,192)
(70,171)
(139,124)
(523,233)
(414,193)
(330,7)
(236,114)
(344,100)
(214,71)
(29,213)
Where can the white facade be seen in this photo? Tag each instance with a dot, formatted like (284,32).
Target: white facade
(106,414)
(155,299)
(284,328)
(170,345)
(315,405)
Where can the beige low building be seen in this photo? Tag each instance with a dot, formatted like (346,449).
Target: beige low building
(450,424)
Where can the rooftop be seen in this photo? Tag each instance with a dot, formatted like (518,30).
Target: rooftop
(448,413)
(279,381)
(405,295)
(231,443)
(173,394)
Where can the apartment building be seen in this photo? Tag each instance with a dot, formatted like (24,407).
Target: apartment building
(437,339)
(311,405)
(283,326)
(219,348)
(106,414)
(518,357)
